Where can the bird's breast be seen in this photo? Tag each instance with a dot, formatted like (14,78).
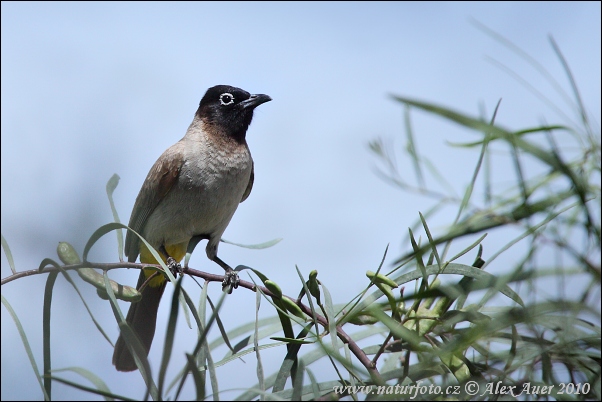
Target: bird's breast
(210,186)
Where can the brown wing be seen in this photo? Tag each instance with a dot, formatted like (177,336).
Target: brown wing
(250,185)
(160,179)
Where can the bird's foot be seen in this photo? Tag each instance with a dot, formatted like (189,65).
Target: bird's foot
(230,281)
(174,266)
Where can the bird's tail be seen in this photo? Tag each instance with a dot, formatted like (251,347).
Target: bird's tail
(142,318)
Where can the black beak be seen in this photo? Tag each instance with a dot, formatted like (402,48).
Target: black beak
(255,100)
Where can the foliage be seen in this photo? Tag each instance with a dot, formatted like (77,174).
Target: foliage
(434,326)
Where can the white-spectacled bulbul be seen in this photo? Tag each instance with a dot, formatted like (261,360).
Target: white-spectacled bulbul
(190,193)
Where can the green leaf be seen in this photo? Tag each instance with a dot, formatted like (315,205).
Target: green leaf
(132,342)
(294,341)
(259,246)
(96,391)
(197,378)
(260,375)
(9,255)
(111,186)
(483,277)
(66,275)
(25,342)
(169,336)
(50,281)
(94,379)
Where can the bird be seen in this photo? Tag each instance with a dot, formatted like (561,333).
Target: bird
(190,194)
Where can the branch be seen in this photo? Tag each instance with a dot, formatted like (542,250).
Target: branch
(353,346)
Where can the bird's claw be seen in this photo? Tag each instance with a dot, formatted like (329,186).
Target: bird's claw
(230,281)
(174,266)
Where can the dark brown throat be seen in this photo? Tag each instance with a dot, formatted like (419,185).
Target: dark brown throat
(226,138)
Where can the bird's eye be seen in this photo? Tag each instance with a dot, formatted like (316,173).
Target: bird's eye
(226,99)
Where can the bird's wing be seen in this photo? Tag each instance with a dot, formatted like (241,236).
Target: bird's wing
(160,179)
(250,185)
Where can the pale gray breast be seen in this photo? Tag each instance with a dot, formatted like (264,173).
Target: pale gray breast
(210,186)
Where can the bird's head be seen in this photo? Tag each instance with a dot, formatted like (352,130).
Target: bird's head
(229,109)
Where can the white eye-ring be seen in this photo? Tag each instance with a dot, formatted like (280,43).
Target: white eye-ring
(226,99)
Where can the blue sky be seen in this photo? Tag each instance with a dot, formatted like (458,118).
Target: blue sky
(93,89)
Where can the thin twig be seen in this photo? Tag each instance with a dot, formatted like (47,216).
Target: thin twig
(353,346)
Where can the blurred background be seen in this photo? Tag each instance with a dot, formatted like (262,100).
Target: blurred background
(93,89)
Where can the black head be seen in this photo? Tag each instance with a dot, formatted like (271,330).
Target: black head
(229,109)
